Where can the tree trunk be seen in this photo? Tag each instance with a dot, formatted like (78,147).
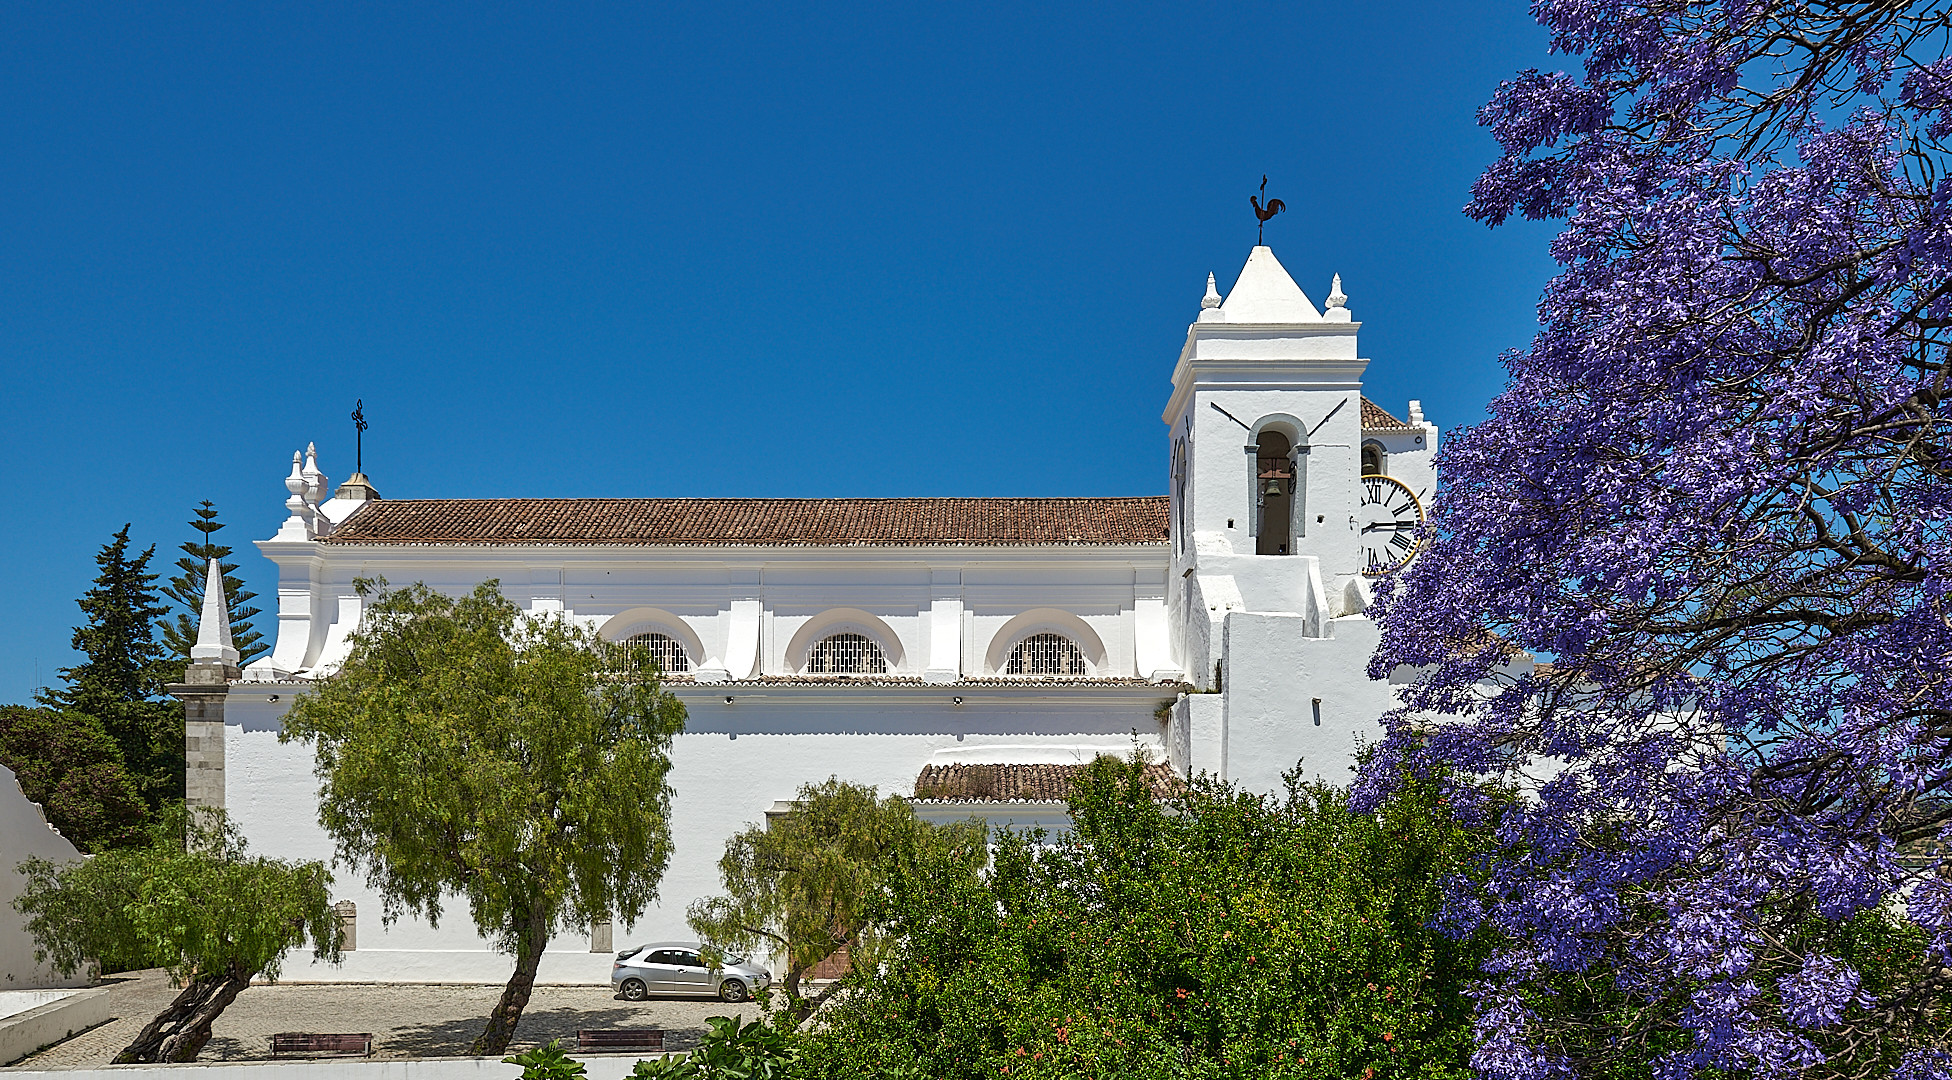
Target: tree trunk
(181,1030)
(800,1008)
(500,1031)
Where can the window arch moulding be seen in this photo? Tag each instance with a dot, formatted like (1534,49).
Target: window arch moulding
(1044,621)
(628,624)
(844,621)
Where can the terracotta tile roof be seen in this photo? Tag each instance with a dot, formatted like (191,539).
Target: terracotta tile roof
(1019,783)
(1376,418)
(764,522)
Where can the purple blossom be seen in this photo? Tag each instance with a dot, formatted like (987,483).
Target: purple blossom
(1717,495)
(1815,996)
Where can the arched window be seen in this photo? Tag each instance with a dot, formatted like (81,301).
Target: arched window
(1181,532)
(1046,654)
(1372,459)
(846,654)
(664,650)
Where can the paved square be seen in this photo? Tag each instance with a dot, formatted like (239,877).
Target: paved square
(407,1020)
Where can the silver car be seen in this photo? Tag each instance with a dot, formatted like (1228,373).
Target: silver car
(676,967)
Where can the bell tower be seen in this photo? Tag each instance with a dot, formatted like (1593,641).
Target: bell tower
(1267,594)
(1266,423)
(1270,437)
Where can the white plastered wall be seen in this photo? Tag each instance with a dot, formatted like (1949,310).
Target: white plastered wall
(24,834)
(735,761)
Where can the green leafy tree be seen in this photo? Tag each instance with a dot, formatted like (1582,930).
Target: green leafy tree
(186,588)
(799,887)
(1217,934)
(729,1050)
(120,682)
(213,915)
(547,1062)
(464,749)
(66,762)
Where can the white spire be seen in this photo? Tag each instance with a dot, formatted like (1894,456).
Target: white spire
(213,630)
(1338,304)
(295,483)
(1264,293)
(314,479)
(1210,303)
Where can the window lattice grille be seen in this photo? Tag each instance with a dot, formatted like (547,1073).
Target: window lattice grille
(846,654)
(1046,654)
(664,650)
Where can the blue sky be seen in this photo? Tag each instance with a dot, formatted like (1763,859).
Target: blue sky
(692,249)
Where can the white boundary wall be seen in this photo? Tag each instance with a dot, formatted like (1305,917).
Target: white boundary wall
(24,832)
(70,1013)
(599,1066)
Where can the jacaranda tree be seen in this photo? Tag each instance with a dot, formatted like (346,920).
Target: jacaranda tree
(1717,495)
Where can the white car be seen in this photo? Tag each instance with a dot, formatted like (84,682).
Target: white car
(677,968)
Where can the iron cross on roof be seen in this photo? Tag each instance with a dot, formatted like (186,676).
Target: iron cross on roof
(359,436)
(1273,207)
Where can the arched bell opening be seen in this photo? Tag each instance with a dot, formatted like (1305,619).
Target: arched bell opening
(1373,460)
(1275,485)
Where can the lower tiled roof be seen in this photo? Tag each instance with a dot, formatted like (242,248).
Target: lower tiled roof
(1377,418)
(759,522)
(1020,783)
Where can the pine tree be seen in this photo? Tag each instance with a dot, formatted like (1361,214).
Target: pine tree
(186,588)
(122,678)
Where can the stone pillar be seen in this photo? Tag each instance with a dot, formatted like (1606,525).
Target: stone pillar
(204,687)
(206,683)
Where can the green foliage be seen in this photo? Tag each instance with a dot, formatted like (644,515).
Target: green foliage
(1218,935)
(196,909)
(186,588)
(799,887)
(122,678)
(729,1050)
(547,1062)
(465,750)
(66,762)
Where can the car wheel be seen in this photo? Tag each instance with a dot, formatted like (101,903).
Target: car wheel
(732,990)
(634,990)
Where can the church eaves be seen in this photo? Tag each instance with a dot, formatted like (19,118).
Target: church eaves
(760,522)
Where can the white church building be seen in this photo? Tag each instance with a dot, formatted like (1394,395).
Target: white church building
(1221,625)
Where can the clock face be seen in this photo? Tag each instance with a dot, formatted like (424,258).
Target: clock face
(1387,522)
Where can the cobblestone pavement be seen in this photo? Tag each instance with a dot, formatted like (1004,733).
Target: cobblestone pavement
(406,1020)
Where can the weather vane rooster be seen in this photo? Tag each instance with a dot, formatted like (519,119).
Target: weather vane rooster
(1273,207)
